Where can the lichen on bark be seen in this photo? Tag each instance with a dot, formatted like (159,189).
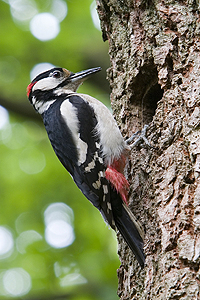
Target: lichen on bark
(154,75)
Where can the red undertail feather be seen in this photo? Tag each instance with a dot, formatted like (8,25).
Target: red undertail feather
(117,179)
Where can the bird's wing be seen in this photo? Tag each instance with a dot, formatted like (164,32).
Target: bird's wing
(85,164)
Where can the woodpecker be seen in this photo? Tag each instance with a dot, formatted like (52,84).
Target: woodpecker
(89,144)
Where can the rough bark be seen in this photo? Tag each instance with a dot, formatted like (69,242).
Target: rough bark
(154,49)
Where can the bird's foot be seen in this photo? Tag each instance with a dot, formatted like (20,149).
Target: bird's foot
(140,137)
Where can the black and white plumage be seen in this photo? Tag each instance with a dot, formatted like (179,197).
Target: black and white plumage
(87,141)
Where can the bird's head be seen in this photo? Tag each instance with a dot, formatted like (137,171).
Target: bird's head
(54,82)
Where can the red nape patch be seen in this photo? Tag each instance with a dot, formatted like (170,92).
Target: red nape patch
(118,182)
(29,88)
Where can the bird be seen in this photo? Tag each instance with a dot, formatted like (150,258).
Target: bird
(89,144)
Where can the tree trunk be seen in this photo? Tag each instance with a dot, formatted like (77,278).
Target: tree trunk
(154,49)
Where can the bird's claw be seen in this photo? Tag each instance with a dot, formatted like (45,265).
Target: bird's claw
(141,138)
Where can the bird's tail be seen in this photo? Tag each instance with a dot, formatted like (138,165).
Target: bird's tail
(131,231)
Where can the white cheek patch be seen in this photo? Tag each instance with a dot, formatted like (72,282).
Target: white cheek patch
(46,84)
(69,114)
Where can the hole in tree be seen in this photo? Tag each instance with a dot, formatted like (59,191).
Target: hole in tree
(150,100)
(146,93)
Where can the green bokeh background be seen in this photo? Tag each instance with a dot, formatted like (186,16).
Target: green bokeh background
(87,268)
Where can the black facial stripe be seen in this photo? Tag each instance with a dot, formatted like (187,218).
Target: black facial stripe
(46,74)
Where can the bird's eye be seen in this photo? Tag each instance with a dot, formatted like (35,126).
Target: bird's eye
(56,74)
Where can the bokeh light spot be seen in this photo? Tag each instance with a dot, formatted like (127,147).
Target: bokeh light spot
(26,238)
(23,10)
(14,136)
(32,160)
(58,218)
(44,26)
(9,69)
(94,15)
(4,117)
(17,282)
(59,9)
(59,234)
(6,242)
(72,279)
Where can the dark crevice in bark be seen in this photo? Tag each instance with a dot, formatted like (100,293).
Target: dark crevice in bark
(147,92)
(150,101)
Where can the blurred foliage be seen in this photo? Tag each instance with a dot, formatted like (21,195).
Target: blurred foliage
(31,177)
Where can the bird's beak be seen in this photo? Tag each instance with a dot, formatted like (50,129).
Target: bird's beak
(73,81)
(83,75)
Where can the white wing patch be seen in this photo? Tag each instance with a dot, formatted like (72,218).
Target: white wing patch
(82,150)
(69,114)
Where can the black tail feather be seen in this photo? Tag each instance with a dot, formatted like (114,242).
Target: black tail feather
(131,231)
